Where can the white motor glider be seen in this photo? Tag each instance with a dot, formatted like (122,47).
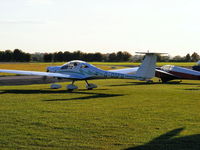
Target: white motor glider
(79,70)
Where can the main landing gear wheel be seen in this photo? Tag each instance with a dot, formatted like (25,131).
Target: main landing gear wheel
(149,81)
(90,86)
(71,87)
(55,86)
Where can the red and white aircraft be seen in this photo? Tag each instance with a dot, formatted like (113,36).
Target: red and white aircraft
(170,72)
(197,67)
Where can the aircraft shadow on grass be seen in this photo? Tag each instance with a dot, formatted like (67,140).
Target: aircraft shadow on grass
(168,141)
(134,83)
(192,89)
(144,83)
(90,95)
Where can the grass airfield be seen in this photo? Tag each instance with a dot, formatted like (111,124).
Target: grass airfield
(120,114)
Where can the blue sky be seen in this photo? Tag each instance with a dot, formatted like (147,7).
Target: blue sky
(171,26)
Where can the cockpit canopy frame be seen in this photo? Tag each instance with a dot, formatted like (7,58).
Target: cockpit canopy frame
(167,67)
(75,64)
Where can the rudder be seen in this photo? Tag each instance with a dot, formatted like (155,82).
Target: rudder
(148,66)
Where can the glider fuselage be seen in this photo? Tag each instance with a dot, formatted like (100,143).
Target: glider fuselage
(88,71)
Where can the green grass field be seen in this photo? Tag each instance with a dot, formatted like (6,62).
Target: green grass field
(120,114)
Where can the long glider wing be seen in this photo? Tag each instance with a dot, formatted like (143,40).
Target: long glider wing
(37,73)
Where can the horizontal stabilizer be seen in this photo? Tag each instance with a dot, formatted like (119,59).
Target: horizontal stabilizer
(155,53)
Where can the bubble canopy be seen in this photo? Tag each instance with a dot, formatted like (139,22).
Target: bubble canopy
(167,67)
(76,64)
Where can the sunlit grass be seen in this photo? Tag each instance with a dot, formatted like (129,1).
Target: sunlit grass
(119,114)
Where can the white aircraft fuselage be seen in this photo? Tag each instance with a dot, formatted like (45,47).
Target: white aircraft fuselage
(88,71)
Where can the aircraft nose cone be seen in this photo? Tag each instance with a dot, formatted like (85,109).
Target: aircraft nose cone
(48,69)
(52,69)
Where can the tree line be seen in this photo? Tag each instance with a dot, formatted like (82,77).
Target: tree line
(188,58)
(14,56)
(120,56)
(78,55)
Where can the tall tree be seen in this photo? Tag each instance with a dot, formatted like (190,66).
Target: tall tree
(17,55)
(126,56)
(188,58)
(48,57)
(112,57)
(119,56)
(178,59)
(97,57)
(195,57)
(8,55)
(67,56)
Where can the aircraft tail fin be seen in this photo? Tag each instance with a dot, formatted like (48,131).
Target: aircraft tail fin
(148,66)
(198,63)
